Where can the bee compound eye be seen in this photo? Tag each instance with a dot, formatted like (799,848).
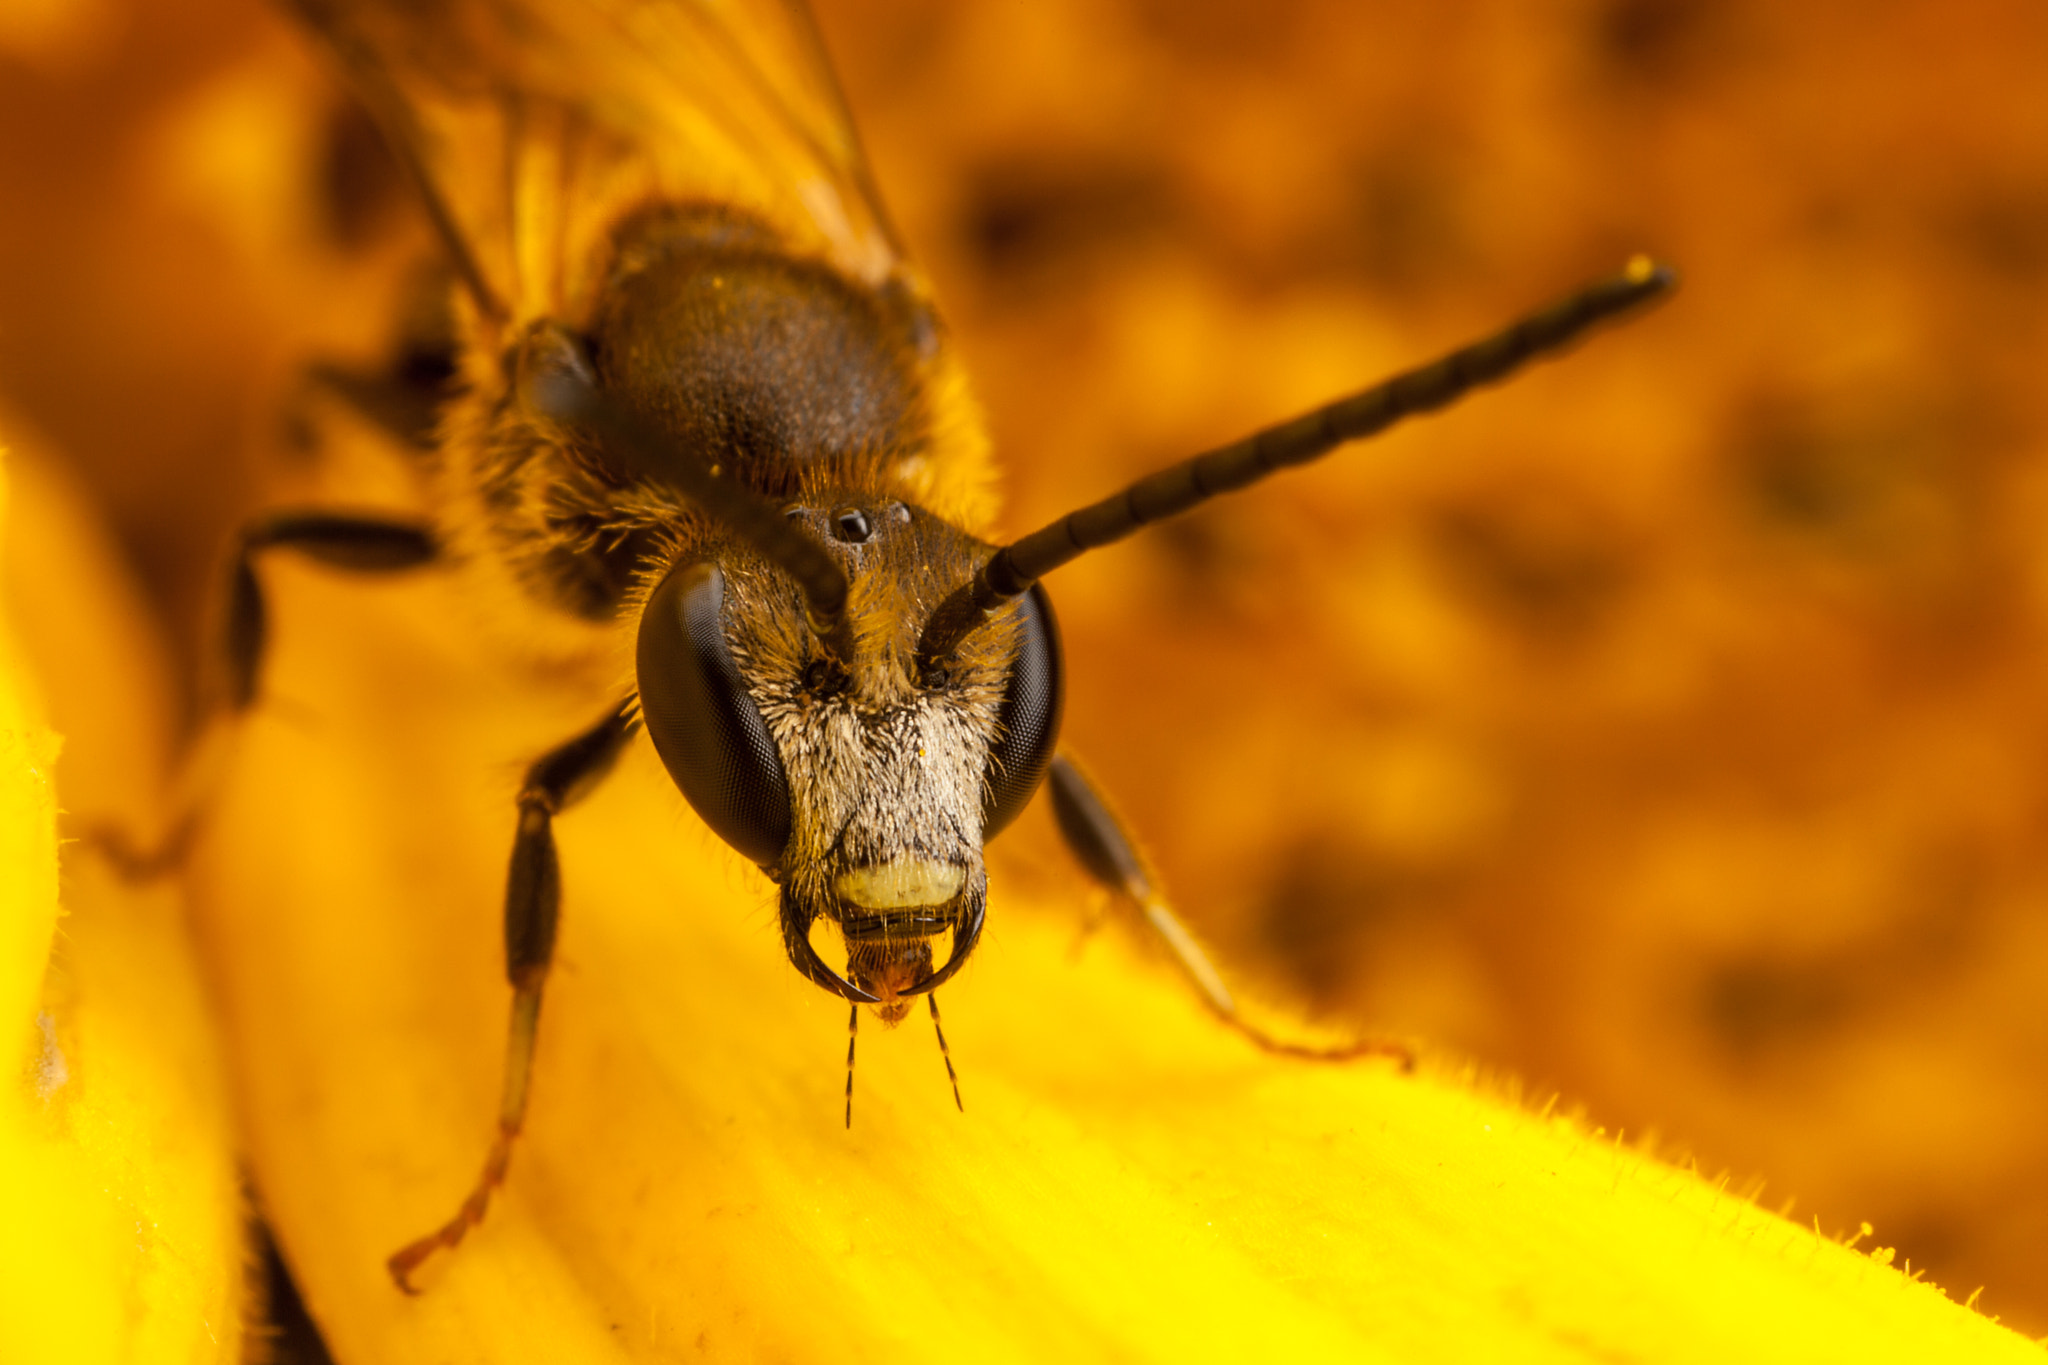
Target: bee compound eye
(705,726)
(1030,716)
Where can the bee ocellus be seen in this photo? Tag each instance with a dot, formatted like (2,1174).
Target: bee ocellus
(703,397)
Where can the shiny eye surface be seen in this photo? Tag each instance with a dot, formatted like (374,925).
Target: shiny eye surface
(1030,716)
(706,728)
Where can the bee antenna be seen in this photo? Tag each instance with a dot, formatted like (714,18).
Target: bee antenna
(932,999)
(852,1033)
(1012,570)
(559,385)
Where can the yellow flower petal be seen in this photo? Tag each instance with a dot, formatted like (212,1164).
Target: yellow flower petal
(120,1227)
(1128,1180)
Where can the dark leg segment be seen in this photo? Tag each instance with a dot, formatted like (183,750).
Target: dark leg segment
(1099,841)
(403,398)
(533,898)
(357,542)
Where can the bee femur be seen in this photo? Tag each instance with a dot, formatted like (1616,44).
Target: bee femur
(565,392)
(1012,570)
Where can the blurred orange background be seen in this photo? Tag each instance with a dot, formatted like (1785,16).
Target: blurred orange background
(1666,729)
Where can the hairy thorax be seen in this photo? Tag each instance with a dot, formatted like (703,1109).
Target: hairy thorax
(772,369)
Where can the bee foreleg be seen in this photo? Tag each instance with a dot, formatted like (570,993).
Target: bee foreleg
(533,898)
(357,541)
(403,401)
(402,393)
(1104,848)
(360,542)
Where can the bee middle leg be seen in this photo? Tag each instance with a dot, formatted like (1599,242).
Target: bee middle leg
(358,542)
(1103,847)
(533,898)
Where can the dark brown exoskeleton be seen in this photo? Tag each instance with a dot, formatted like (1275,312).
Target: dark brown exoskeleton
(703,398)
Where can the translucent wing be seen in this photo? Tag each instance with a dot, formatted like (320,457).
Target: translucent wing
(533,126)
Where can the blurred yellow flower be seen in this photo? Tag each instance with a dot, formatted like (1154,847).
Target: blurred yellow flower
(120,1212)
(1129,1180)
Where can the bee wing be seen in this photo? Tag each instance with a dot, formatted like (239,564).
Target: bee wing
(533,126)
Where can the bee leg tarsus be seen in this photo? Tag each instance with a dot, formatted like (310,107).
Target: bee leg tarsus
(533,899)
(1401,1053)
(137,861)
(1101,844)
(405,1263)
(138,858)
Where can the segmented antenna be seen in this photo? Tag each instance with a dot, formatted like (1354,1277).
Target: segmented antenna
(852,1035)
(1012,570)
(559,389)
(932,999)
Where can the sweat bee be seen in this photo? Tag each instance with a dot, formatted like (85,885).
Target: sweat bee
(702,400)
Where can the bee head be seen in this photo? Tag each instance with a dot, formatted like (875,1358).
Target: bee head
(862,780)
